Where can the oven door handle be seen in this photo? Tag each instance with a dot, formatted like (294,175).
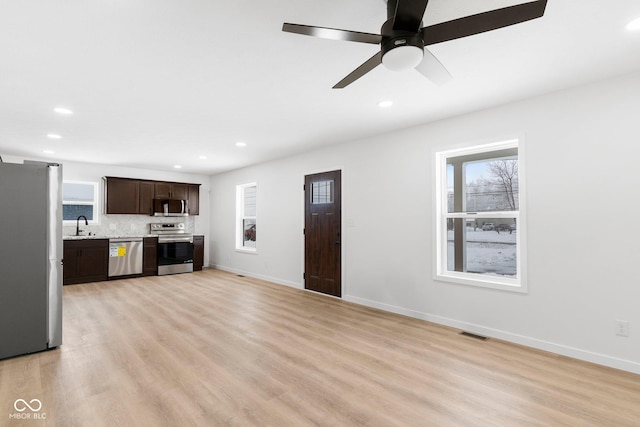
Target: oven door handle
(185,239)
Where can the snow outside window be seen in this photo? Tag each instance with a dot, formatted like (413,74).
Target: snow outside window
(246,232)
(479,216)
(80,198)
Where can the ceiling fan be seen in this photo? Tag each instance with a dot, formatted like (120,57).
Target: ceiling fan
(403,39)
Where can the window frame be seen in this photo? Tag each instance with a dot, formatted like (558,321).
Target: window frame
(241,217)
(441,215)
(96,202)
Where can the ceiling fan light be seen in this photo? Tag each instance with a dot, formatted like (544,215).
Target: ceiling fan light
(402,58)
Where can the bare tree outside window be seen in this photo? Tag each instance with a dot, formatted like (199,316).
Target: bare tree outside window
(504,174)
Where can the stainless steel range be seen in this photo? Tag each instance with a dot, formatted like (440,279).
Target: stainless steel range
(175,248)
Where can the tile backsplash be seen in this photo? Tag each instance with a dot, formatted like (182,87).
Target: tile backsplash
(125,225)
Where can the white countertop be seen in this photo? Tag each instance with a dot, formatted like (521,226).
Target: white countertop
(105,237)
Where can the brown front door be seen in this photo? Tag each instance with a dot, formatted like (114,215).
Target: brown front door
(322,233)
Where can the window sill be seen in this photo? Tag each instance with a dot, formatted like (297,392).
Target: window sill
(484,281)
(250,251)
(74,222)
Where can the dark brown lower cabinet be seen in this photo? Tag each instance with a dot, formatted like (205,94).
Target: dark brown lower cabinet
(150,256)
(85,261)
(198,253)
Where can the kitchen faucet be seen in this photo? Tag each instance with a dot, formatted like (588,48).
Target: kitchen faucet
(86,222)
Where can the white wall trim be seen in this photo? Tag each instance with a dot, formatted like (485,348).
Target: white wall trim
(258,276)
(576,353)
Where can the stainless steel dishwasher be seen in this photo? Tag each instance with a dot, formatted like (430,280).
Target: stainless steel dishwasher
(125,256)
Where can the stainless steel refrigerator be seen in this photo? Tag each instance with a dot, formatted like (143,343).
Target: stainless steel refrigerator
(30,257)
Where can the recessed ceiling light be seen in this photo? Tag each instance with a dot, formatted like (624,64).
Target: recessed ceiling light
(241,144)
(385,104)
(48,151)
(203,157)
(53,136)
(62,110)
(177,166)
(634,25)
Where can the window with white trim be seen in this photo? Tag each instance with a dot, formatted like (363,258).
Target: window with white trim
(246,219)
(80,198)
(479,234)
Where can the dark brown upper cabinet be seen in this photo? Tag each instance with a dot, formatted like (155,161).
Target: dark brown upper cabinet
(146,198)
(171,190)
(135,196)
(122,195)
(194,199)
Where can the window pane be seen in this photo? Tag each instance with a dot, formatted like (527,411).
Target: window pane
(322,192)
(249,233)
(246,199)
(249,201)
(491,185)
(489,246)
(77,192)
(450,197)
(72,212)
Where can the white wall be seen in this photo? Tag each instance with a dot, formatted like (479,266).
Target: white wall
(581,147)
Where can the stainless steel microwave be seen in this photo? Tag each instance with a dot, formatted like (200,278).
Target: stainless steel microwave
(170,207)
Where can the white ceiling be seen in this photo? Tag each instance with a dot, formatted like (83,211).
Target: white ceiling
(154,83)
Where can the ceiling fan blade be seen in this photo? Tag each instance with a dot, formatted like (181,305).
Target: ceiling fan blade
(482,22)
(332,33)
(432,69)
(369,65)
(409,14)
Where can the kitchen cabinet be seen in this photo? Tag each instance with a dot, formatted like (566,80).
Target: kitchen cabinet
(146,198)
(194,199)
(171,190)
(198,253)
(135,196)
(85,261)
(150,256)
(122,196)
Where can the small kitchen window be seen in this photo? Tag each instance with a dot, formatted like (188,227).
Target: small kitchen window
(246,218)
(80,198)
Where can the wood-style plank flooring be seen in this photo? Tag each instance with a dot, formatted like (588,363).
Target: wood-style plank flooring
(214,349)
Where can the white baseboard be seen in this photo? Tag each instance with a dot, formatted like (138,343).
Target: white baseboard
(258,276)
(576,353)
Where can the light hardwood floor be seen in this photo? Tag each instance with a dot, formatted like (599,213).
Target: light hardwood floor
(214,349)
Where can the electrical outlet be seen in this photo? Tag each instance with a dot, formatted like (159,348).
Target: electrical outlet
(622,328)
